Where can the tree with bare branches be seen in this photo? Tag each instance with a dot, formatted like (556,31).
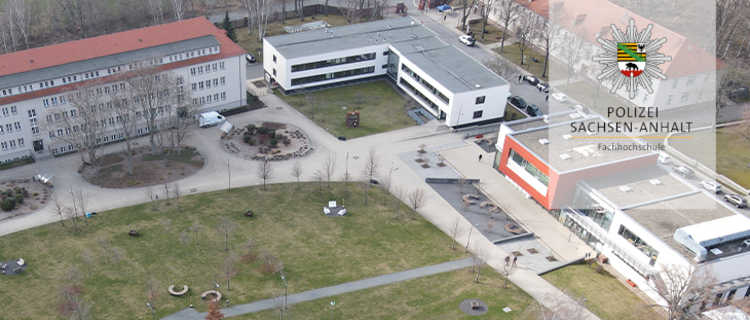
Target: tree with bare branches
(297,171)
(153,289)
(185,239)
(226,225)
(214,311)
(176,190)
(104,245)
(455,231)
(526,31)
(117,256)
(682,287)
(250,245)
(167,186)
(196,228)
(72,305)
(508,14)
(73,277)
(229,270)
(58,209)
(329,167)
(167,225)
(399,192)
(88,258)
(279,306)
(265,172)
(151,194)
(488,6)
(319,176)
(571,50)
(465,6)
(269,259)
(416,201)
(507,269)
(18,14)
(480,256)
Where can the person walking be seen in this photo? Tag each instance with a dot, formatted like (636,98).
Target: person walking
(480,158)
(546,98)
(515,259)
(445,17)
(519,78)
(227,303)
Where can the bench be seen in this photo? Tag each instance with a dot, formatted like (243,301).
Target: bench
(178,293)
(213,292)
(17,270)
(469,198)
(513,228)
(133,233)
(493,207)
(185,146)
(248,213)
(474,305)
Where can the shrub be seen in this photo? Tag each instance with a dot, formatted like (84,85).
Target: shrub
(287,141)
(3,193)
(274,142)
(8,204)
(262,130)
(25,192)
(251,142)
(131,183)
(19,198)
(17,190)
(262,138)
(599,269)
(3,197)
(247,138)
(271,133)
(251,128)
(35,194)
(247,134)
(280,136)
(9,192)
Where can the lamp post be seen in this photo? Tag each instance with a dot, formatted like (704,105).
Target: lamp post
(229,176)
(285,289)
(459,114)
(469,239)
(153,314)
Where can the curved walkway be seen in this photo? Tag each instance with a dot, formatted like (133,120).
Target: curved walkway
(191,314)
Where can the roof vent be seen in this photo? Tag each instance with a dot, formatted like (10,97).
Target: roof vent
(544,141)
(574,115)
(140,40)
(625,189)
(567,137)
(478,85)
(591,133)
(565,156)
(545,119)
(32,60)
(655,182)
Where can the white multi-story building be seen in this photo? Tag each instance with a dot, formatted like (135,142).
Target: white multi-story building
(34,83)
(449,84)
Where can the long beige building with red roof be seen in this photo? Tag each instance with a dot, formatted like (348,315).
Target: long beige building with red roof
(35,83)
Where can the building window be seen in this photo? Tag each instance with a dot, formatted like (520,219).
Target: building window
(13,109)
(674,84)
(20,142)
(669,99)
(477,114)
(200,70)
(223,96)
(45,102)
(208,98)
(216,82)
(9,127)
(208,84)
(685,96)
(385,66)
(221,65)
(17,125)
(638,243)
(274,58)
(216,97)
(200,85)
(425,83)
(208,68)
(12,144)
(215,67)
(1,130)
(6,112)
(333,62)
(195,86)
(274,71)
(223,81)
(192,71)
(529,167)
(480,100)
(331,76)
(690,81)
(5,145)
(385,53)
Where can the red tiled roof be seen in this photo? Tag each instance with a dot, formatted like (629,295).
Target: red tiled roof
(110,44)
(688,58)
(540,7)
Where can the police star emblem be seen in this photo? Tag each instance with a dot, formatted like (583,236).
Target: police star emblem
(631,59)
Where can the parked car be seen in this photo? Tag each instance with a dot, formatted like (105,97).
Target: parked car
(580,107)
(735,199)
(533,110)
(684,171)
(664,158)
(518,102)
(544,86)
(250,58)
(532,80)
(467,40)
(710,186)
(559,97)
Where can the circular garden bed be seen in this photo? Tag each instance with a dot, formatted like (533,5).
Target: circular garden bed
(22,196)
(266,140)
(148,170)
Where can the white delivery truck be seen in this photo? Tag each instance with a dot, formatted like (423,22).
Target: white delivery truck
(210,119)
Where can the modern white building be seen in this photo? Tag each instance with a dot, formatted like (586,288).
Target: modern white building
(449,84)
(34,83)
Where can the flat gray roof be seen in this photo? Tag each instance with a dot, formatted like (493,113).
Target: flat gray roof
(105,62)
(582,152)
(642,190)
(450,66)
(663,218)
(537,122)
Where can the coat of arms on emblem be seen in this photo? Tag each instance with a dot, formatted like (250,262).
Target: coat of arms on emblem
(631,58)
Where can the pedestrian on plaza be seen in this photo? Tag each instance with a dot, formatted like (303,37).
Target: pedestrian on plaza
(540,89)
(157,197)
(445,17)
(227,303)
(515,259)
(480,158)
(519,78)
(546,98)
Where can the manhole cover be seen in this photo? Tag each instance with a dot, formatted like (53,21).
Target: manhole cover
(278,108)
(532,251)
(551,259)
(517,253)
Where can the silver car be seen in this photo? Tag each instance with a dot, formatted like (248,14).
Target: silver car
(711,186)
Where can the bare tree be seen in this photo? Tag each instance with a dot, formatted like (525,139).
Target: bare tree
(329,167)
(196,227)
(682,287)
(75,16)
(104,245)
(481,255)
(58,209)
(258,11)
(176,190)
(153,289)
(117,256)
(265,172)
(488,7)
(319,176)
(73,276)
(81,199)
(345,178)
(179,7)
(73,216)
(297,171)
(466,6)
(88,258)
(185,239)
(278,304)
(526,32)
(166,187)
(226,225)
(549,32)
(645,8)
(366,184)
(72,305)
(461,183)
(501,66)
(150,193)
(399,192)
(229,270)
(508,268)
(571,50)
(508,14)
(455,231)
(416,201)
(372,165)
(386,182)
(250,245)
(17,12)
(268,258)
(214,311)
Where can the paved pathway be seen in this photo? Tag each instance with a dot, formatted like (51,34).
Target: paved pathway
(190,314)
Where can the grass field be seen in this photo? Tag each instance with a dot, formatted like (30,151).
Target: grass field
(433,297)
(606,296)
(731,156)
(509,114)
(381,108)
(512,53)
(317,251)
(17,163)
(493,34)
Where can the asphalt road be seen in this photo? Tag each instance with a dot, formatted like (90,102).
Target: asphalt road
(254,70)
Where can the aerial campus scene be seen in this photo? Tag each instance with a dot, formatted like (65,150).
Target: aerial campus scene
(425,159)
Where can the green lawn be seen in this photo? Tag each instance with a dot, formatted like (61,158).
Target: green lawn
(606,296)
(17,163)
(381,108)
(512,114)
(513,54)
(731,152)
(493,34)
(317,251)
(433,297)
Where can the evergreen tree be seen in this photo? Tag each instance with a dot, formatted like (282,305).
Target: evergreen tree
(229,27)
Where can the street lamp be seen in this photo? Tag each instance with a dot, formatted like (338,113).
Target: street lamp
(153,314)
(229,176)
(285,289)
(469,239)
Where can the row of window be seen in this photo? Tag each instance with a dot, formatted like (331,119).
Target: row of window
(426,84)
(333,75)
(207,68)
(207,84)
(9,127)
(10,110)
(529,167)
(419,94)
(210,99)
(639,243)
(333,62)
(12,144)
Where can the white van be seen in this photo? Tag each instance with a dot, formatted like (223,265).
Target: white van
(209,119)
(664,158)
